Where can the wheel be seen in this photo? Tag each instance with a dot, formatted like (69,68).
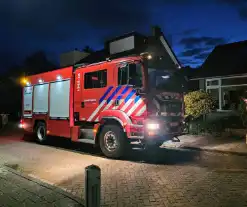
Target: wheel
(112,141)
(41,132)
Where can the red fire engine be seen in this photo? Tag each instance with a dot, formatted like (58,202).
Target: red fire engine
(110,103)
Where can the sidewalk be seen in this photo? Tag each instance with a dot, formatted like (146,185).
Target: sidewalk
(19,190)
(228,145)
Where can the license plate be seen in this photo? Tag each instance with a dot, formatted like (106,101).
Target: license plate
(174,124)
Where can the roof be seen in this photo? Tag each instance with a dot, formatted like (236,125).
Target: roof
(97,56)
(225,60)
(156,43)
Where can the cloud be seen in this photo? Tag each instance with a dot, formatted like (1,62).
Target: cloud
(190,61)
(202,56)
(192,52)
(197,49)
(191,42)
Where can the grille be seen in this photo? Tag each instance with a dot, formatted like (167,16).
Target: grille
(171,107)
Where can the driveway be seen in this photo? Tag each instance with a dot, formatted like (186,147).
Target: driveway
(161,178)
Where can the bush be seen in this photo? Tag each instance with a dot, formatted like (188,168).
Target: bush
(201,126)
(198,103)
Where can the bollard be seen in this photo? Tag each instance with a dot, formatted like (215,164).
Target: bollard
(92,186)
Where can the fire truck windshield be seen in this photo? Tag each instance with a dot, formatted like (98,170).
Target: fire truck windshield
(130,74)
(166,80)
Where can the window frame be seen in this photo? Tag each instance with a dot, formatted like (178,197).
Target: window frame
(128,72)
(118,70)
(220,87)
(96,71)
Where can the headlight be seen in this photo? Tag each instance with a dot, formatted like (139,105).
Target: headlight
(153,126)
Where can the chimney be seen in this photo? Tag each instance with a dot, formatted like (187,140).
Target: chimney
(156,31)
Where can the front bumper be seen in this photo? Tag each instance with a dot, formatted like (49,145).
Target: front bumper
(166,132)
(139,132)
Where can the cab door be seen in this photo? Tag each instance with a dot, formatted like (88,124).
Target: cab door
(95,83)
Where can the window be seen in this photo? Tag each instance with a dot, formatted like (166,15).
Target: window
(212,83)
(97,79)
(234,81)
(231,97)
(130,74)
(227,91)
(123,74)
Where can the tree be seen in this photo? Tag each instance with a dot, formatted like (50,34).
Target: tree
(88,49)
(10,87)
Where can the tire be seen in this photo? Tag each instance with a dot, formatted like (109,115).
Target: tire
(40,131)
(108,133)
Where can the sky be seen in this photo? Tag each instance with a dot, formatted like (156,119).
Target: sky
(193,27)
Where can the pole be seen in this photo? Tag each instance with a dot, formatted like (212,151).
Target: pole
(92,186)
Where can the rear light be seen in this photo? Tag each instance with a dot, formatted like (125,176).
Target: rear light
(21,124)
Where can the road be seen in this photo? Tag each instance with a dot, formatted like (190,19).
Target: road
(161,178)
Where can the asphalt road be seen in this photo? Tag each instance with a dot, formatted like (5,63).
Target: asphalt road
(156,178)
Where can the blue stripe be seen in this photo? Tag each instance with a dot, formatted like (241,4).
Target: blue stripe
(106,93)
(130,95)
(123,92)
(137,98)
(113,94)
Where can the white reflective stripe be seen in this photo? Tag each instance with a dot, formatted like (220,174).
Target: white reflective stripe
(141,111)
(27,115)
(126,105)
(106,107)
(96,110)
(134,107)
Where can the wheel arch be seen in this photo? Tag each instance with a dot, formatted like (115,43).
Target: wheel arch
(36,123)
(107,120)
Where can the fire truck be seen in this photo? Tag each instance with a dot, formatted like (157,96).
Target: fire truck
(134,95)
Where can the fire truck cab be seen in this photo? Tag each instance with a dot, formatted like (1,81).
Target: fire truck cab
(112,103)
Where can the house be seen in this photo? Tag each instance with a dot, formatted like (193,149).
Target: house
(224,75)
(72,57)
(134,44)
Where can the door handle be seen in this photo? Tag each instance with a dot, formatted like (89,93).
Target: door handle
(116,102)
(82,104)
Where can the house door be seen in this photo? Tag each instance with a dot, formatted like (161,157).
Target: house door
(213,87)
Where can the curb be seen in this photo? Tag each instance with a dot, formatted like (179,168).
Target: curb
(46,185)
(209,150)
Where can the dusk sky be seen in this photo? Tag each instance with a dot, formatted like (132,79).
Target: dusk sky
(193,27)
